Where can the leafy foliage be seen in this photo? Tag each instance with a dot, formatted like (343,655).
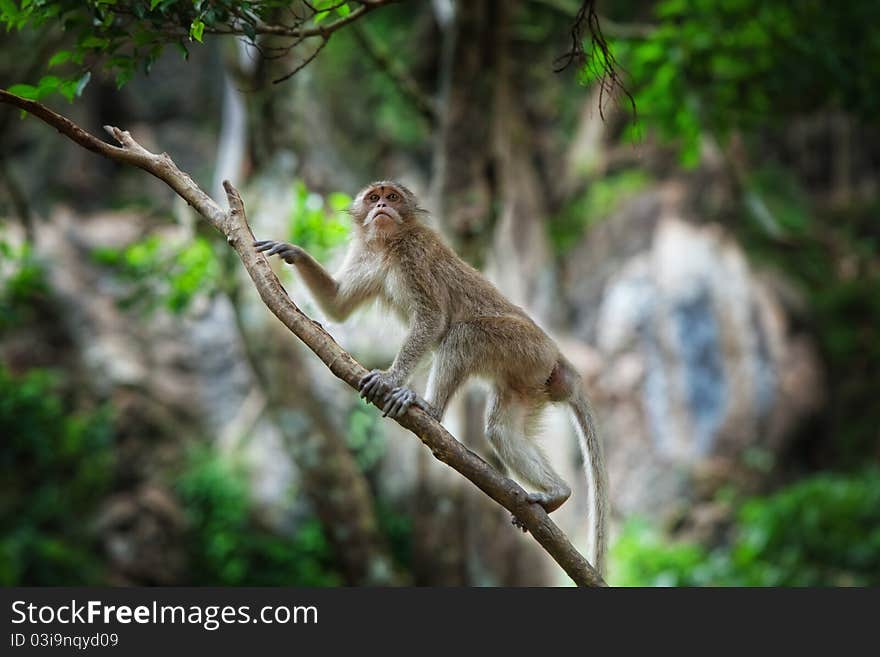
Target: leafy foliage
(228,546)
(123,36)
(641,557)
(22,283)
(715,66)
(600,199)
(160,273)
(822,531)
(318,224)
(55,466)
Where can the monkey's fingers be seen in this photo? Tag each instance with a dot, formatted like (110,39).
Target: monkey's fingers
(264,245)
(397,402)
(374,392)
(280,248)
(366,383)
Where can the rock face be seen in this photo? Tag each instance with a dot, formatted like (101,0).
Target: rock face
(698,371)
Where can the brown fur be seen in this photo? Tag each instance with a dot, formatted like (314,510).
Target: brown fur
(472,328)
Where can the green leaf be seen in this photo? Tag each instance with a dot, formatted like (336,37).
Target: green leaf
(343,10)
(98,43)
(320,16)
(68,89)
(196,30)
(48,83)
(25,91)
(8,10)
(60,57)
(123,76)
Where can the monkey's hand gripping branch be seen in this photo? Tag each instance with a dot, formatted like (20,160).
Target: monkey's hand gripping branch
(233,224)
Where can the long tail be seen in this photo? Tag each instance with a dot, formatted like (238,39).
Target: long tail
(597,478)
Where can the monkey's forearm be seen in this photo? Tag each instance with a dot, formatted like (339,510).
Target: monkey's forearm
(386,388)
(332,296)
(320,283)
(338,297)
(422,337)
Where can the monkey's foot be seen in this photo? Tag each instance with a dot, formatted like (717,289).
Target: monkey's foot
(399,400)
(550,501)
(516,522)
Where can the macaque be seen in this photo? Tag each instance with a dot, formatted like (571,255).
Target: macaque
(452,310)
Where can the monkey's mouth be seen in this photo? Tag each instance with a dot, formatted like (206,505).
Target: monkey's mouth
(387,215)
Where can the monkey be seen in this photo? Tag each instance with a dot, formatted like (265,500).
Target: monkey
(473,330)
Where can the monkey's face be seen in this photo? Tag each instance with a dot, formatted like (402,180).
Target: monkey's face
(384,206)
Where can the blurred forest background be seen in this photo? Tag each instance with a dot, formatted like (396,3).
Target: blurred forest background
(711,263)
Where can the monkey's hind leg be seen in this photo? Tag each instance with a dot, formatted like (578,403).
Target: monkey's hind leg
(509,427)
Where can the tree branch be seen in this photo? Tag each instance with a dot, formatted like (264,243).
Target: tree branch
(600,60)
(233,224)
(300,32)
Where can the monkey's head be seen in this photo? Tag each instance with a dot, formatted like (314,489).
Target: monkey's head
(385,206)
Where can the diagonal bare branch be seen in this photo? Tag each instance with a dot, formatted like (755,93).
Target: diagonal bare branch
(233,224)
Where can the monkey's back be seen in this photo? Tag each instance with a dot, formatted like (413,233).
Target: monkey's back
(433,271)
(475,310)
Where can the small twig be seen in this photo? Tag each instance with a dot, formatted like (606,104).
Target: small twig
(304,62)
(233,224)
(600,58)
(629,30)
(299,32)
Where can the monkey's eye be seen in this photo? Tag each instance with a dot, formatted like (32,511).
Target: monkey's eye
(393,196)
(374,197)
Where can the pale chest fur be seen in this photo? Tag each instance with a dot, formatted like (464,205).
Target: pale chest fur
(367,268)
(396,293)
